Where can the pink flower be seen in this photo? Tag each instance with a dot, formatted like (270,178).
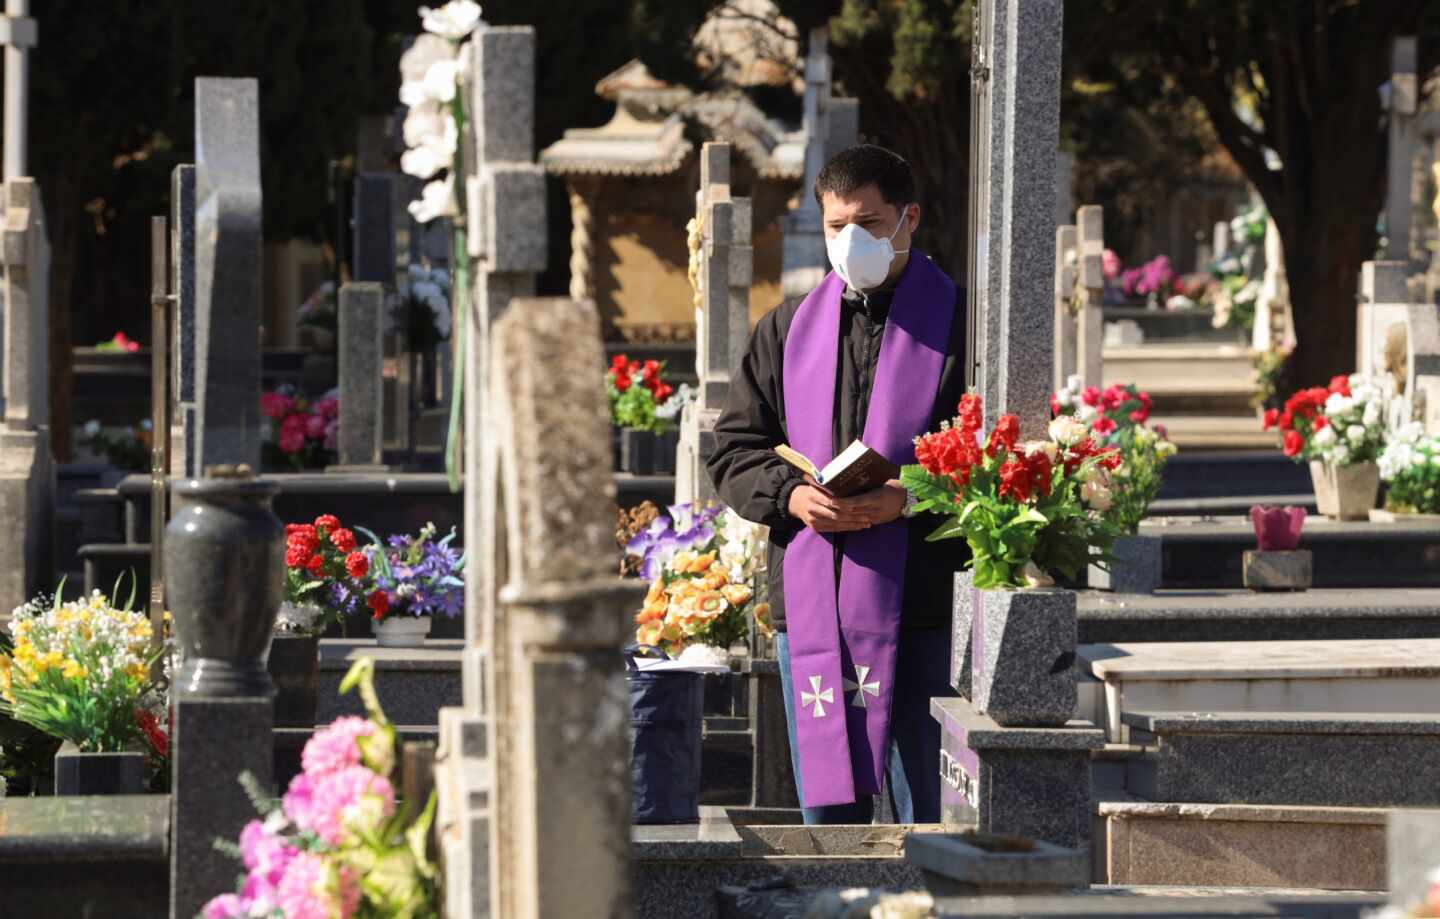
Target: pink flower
(329,803)
(333,747)
(1110,264)
(327,408)
(313,889)
(292,433)
(314,427)
(275,406)
(226,906)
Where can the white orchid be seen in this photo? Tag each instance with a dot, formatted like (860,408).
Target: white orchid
(453,21)
(437,199)
(427,123)
(423,162)
(416,63)
(440,80)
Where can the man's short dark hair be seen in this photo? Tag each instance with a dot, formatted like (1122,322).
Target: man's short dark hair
(866,164)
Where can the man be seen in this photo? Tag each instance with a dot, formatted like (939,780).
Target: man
(862,603)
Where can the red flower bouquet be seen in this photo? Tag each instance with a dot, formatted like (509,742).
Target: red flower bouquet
(325,572)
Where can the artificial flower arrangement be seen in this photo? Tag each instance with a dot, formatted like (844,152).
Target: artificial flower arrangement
(1234,295)
(327,577)
(1027,510)
(415,575)
(320,310)
(1117,418)
(640,398)
(703,564)
(81,671)
(1340,425)
(423,307)
(1410,467)
(336,845)
(1155,281)
(121,343)
(300,434)
(129,451)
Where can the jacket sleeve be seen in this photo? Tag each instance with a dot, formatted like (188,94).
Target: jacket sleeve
(748,475)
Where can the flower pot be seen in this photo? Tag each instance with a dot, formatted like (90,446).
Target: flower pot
(1022,655)
(294,665)
(1136,568)
(225,577)
(666,446)
(78,773)
(1345,492)
(637,451)
(615,457)
(401,631)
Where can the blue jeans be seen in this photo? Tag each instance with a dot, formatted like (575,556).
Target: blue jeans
(912,766)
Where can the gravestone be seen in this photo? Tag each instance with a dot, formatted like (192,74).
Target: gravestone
(228,269)
(1273,325)
(182,285)
(830,125)
(1016,88)
(361,355)
(27,470)
(722,316)
(373,228)
(1066,248)
(1090,289)
(1403,136)
(1382,340)
(505,223)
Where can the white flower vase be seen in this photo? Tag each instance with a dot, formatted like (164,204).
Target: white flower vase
(401,631)
(1345,492)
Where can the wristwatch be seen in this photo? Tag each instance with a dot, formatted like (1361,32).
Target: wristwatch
(910,501)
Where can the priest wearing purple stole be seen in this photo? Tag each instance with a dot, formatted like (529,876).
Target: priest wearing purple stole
(861,602)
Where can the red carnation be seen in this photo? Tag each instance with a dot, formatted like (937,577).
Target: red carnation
(1140,415)
(1340,384)
(1113,398)
(1014,480)
(343,539)
(622,382)
(1272,418)
(296,556)
(379,604)
(1111,460)
(662,392)
(1091,396)
(971,415)
(1294,443)
(619,363)
(303,539)
(1040,469)
(1103,425)
(327,522)
(1006,433)
(357,565)
(316,565)
(1321,422)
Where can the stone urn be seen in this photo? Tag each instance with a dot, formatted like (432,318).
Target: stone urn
(1022,655)
(224,567)
(648,453)
(1345,492)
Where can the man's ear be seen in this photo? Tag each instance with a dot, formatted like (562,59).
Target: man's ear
(912,217)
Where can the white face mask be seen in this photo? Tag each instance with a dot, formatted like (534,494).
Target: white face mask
(861,260)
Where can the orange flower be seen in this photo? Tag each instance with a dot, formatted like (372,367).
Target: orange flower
(737,594)
(701,563)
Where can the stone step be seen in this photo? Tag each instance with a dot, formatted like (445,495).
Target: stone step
(413,683)
(1240,845)
(1236,429)
(1312,758)
(1353,676)
(1241,615)
(1234,472)
(1200,553)
(1228,506)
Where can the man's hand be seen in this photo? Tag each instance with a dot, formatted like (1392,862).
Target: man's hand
(824,513)
(882,505)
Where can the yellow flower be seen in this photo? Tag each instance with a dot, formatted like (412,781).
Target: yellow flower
(738,594)
(49,660)
(136,671)
(73,670)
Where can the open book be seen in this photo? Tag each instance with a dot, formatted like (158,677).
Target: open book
(857,469)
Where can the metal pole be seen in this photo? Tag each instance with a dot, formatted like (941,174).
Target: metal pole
(160,310)
(979,172)
(17,88)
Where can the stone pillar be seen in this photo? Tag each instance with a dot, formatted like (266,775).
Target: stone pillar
(223,534)
(182,284)
(505,192)
(561,709)
(1066,249)
(227,271)
(722,317)
(373,228)
(18,33)
(27,470)
(1403,133)
(1017,51)
(1272,306)
(1090,284)
(361,355)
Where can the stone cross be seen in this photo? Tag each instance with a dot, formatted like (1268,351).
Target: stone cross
(830,125)
(228,269)
(1016,87)
(1066,247)
(26,467)
(506,247)
(561,710)
(1090,288)
(361,355)
(182,286)
(1272,306)
(722,315)
(18,33)
(1403,139)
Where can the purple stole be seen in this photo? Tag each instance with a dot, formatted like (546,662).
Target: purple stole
(843,637)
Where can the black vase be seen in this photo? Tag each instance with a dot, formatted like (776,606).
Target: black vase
(78,773)
(224,572)
(294,665)
(637,451)
(665,448)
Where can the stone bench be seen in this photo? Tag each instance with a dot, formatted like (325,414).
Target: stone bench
(1315,758)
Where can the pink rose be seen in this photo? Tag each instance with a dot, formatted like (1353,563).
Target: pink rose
(275,406)
(292,433)
(328,408)
(334,747)
(314,427)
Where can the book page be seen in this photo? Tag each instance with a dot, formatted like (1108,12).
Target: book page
(840,463)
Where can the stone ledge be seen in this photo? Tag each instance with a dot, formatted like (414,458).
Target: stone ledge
(1281,722)
(85,829)
(1136,809)
(436,654)
(959,717)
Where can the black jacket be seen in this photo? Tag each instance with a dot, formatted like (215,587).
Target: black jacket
(756,483)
